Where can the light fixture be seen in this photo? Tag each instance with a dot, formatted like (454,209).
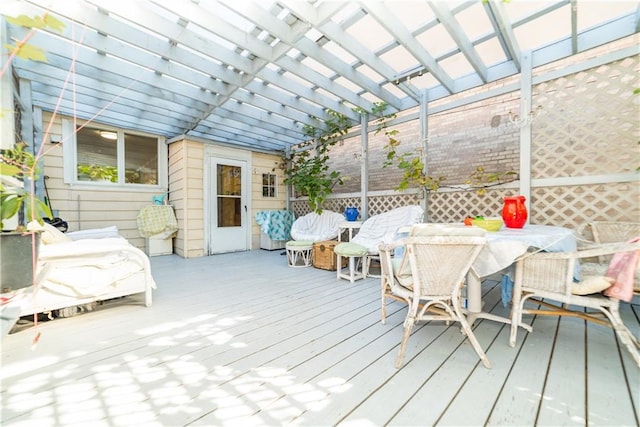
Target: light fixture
(108,135)
(527,120)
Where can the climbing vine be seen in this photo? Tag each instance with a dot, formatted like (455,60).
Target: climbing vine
(307,168)
(412,163)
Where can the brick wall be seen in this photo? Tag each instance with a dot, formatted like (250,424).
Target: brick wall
(460,140)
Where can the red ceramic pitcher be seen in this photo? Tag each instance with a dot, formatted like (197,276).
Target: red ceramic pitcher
(514,212)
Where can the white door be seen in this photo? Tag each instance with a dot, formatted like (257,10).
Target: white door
(228,224)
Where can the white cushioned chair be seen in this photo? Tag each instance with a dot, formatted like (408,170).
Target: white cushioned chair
(308,229)
(316,228)
(607,232)
(377,230)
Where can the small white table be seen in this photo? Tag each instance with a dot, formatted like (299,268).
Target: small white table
(502,249)
(348,225)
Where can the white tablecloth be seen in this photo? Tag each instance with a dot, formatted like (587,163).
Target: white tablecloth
(504,246)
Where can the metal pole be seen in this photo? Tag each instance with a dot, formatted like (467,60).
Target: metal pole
(424,136)
(364,167)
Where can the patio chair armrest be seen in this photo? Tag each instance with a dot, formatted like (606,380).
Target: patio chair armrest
(389,247)
(594,250)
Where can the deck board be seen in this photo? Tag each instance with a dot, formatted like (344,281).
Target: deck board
(242,339)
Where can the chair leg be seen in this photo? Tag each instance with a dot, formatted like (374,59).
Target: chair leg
(516,317)
(625,336)
(365,265)
(383,286)
(474,341)
(408,327)
(352,268)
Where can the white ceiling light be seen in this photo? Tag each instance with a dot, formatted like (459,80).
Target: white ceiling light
(108,135)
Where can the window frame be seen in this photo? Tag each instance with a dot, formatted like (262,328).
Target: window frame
(70,157)
(274,185)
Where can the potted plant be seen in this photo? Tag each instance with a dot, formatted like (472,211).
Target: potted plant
(20,211)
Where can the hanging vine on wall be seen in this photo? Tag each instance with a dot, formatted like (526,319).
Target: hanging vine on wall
(412,163)
(307,168)
(480,179)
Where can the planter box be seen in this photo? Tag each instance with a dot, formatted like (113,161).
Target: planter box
(157,247)
(16,270)
(270,245)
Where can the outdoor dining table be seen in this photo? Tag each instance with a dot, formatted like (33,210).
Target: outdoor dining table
(502,249)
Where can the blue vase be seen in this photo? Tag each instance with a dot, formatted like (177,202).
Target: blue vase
(351,214)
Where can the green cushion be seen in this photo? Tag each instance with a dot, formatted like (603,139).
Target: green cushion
(300,243)
(350,249)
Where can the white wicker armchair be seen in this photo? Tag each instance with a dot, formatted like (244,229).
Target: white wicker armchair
(607,232)
(610,231)
(382,228)
(550,275)
(438,266)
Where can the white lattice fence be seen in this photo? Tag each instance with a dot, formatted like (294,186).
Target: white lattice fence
(568,206)
(380,204)
(575,205)
(456,205)
(377,204)
(597,138)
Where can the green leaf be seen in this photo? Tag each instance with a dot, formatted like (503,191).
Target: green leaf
(53,23)
(9,170)
(9,205)
(28,52)
(25,21)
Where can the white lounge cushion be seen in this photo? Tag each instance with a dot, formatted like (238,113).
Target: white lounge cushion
(316,227)
(382,228)
(95,233)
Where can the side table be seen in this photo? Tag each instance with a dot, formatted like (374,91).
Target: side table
(348,225)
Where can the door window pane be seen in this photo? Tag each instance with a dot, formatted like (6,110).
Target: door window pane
(229,186)
(229,213)
(229,180)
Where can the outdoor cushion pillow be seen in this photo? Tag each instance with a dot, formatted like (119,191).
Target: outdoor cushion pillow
(592,285)
(350,249)
(292,243)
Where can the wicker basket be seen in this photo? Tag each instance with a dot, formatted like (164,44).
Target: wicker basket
(324,257)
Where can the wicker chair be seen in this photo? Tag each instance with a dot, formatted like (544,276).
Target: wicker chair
(431,285)
(607,232)
(610,231)
(550,275)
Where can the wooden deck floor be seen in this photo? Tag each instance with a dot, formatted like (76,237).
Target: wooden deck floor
(241,339)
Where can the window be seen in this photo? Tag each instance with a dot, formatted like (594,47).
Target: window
(268,185)
(114,156)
